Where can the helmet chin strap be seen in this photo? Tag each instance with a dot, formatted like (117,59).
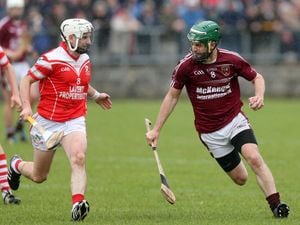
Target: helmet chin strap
(77,48)
(205,56)
(209,51)
(73,49)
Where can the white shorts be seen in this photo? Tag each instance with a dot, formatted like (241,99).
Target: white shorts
(219,142)
(74,125)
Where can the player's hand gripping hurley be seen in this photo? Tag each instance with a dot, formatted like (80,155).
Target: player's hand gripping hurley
(52,139)
(164,188)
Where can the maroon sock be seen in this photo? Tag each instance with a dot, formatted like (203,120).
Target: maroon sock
(273,200)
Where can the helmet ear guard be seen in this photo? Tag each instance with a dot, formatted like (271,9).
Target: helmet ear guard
(76,27)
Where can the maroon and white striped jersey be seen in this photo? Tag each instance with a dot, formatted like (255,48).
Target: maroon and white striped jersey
(11,32)
(213,88)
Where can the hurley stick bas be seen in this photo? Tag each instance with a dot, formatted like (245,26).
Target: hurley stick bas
(164,188)
(52,139)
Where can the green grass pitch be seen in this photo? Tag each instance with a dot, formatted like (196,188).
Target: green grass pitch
(123,181)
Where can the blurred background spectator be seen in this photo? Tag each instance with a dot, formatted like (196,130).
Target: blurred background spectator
(42,38)
(124,27)
(102,15)
(148,19)
(232,22)
(261,29)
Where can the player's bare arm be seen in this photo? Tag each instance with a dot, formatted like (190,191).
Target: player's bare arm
(257,101)
(15,100)
(102,99)
(25,96)
(166,109)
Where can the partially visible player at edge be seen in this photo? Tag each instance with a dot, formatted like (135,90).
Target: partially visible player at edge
(8,72)
(64,74)
(15,39)
(210,76)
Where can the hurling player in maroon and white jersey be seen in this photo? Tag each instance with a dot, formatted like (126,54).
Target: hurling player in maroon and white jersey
(64,75)
(15,40)
(210,76)
(8,73)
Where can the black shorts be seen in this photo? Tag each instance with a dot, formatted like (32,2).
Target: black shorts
(232,160)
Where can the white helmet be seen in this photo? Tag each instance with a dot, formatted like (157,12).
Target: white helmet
(15,3)
(75,27)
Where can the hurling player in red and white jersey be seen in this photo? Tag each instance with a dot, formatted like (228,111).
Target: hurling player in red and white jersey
(15,40)
(8,72)
(210,76)
(64,75)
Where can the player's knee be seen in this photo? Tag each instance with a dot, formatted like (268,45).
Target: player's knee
(78,159)
(240,180)
(240,177)
(255,161)
(39,179)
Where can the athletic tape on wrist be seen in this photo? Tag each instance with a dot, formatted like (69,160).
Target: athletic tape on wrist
(96,95)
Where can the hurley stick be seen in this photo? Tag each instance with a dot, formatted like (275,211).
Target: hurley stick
(164,188)
(52,139)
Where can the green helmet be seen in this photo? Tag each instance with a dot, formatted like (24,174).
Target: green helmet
(204,32)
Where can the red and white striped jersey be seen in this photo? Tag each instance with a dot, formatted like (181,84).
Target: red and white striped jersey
(3,58)
(64,82)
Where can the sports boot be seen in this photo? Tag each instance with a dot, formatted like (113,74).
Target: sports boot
(281,211)
(10,199)
(13,177)
(80,210)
